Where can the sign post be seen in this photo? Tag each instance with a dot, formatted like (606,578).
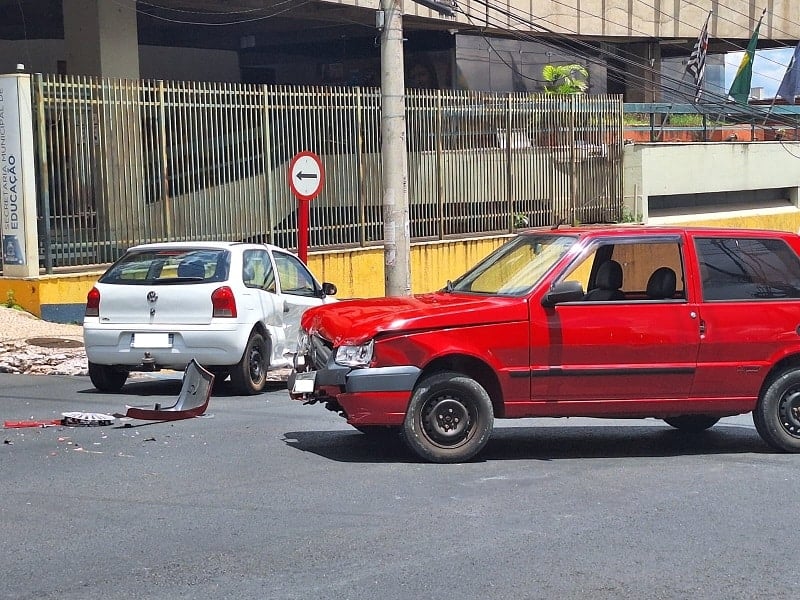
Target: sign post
(306,176)
(17,178)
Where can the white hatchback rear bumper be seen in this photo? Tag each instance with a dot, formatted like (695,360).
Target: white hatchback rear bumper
(209,345)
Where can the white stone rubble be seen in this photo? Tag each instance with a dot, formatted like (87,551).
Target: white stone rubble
(21,357)
(19,352)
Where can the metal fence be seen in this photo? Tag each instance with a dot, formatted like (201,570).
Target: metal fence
(125,162)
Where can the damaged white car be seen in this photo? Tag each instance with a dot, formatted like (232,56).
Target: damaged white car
(233,307)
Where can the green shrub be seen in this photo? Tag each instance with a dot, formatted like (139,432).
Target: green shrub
(11,301)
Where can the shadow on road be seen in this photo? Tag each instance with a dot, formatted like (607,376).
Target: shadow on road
(350,446)
(543,443)
(171,386)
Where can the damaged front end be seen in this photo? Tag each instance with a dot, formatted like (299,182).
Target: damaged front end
(314,377)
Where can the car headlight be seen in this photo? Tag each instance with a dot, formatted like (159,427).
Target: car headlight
(354,356)
(303,342)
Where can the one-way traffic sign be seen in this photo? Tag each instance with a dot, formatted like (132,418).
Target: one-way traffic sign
(306,175)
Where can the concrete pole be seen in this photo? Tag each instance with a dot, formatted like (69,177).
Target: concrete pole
(394,161)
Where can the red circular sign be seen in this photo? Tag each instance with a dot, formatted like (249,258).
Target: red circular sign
(306,175)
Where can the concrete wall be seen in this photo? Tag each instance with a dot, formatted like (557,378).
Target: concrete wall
(100,38)
(673,19)
(357,273)
(155,62)
(38,56)
(188,64)
(665,169)
(649,170)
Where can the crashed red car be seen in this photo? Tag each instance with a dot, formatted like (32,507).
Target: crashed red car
(687,325)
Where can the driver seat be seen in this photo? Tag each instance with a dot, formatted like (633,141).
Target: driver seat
(608,283)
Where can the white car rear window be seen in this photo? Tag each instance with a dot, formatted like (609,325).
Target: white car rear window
(169,266)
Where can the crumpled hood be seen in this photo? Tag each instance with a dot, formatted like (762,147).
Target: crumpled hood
(354,322)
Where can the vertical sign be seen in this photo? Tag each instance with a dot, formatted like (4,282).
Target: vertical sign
(10,174)
(17,191)
(306,176)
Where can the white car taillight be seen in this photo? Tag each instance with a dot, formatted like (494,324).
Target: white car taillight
(93,303)
(224,303)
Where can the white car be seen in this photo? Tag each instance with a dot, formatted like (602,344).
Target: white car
(233,307)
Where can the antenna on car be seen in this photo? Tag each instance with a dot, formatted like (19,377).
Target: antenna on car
(559,222)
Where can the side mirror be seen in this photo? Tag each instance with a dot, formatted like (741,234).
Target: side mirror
(563,291)
(328,289)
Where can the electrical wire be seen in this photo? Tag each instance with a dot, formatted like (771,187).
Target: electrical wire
(728,41)
(722,105)
(738,12)
(726,107)
(25,33)
(289,4)
(227,11)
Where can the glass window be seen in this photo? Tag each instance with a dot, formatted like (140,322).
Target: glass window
(747,269)
(515,267)
(257,270)
(293,276)
(644,268)
(169,266)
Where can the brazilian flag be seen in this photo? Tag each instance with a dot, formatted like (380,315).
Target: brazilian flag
(740,88)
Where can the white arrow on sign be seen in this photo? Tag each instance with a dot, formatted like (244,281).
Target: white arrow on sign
(306,175)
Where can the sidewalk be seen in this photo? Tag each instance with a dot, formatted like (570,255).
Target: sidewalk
(34,347)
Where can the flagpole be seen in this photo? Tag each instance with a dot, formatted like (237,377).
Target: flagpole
(740,88)
(697,60)
(790,84)
(697,65)
(769,111)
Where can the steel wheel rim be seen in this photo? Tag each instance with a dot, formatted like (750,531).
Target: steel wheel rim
(255,364)
(447,421)
(789,412)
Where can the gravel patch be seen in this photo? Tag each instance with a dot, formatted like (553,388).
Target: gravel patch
(35,347)
(31,346)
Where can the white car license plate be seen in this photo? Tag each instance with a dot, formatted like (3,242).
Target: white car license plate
(152,340)
(304,382)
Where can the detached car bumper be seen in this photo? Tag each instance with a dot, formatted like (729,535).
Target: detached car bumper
(371,396)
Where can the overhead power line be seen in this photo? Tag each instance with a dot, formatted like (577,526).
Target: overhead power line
(716,103)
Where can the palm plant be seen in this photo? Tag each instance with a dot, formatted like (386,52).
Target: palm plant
(565,79)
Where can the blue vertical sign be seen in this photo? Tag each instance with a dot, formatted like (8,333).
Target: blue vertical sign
(11,190)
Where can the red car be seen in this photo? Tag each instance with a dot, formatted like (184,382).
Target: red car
(687,325)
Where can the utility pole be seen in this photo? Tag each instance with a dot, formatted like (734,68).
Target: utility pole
(394,161)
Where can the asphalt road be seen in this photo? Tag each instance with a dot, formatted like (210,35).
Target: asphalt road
(266,498)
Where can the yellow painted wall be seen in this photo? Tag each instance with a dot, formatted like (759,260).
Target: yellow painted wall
(787,219)
(358,273)
(32,293)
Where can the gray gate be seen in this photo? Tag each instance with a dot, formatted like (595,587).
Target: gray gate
(126,162)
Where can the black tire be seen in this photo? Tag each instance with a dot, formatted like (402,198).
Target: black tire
(777,414)
(449,418)
(692,423)
(107,378)
(249,375)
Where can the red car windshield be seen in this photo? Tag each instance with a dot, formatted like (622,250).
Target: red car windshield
(514,268)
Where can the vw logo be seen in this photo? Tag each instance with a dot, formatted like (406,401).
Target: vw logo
(152,296)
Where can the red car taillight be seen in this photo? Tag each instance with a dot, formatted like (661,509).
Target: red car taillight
(93,303)
(223,302)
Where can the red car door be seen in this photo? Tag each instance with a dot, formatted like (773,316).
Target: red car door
(640,351)
(750,311)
